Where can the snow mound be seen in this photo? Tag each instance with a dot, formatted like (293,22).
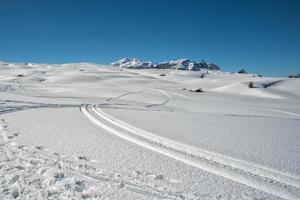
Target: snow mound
(240,88)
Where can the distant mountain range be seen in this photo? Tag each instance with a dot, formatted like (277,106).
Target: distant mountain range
(294,76)
(181,64)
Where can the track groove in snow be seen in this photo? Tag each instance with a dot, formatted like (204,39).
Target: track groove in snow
(164,102)
(268,180)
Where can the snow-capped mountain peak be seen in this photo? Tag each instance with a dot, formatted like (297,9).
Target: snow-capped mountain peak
(181,64)
(133,63)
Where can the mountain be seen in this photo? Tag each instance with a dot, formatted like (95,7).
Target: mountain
(180,64)
(133,63)
(294,76)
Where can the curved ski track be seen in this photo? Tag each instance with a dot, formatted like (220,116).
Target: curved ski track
(268,180)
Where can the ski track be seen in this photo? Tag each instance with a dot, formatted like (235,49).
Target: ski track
(168,97)
(164,102)
(8,106)
(281,111)
(126,94)
(265,179)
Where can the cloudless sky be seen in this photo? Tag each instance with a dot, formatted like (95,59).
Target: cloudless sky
(262,36)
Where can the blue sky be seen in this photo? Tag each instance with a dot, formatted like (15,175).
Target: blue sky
(262,36)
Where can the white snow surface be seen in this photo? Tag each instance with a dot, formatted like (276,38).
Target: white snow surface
(88,131)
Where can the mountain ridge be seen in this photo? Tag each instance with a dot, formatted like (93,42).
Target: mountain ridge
(180,64)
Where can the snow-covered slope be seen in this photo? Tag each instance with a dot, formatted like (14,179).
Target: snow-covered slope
(88,131)
(182,64)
